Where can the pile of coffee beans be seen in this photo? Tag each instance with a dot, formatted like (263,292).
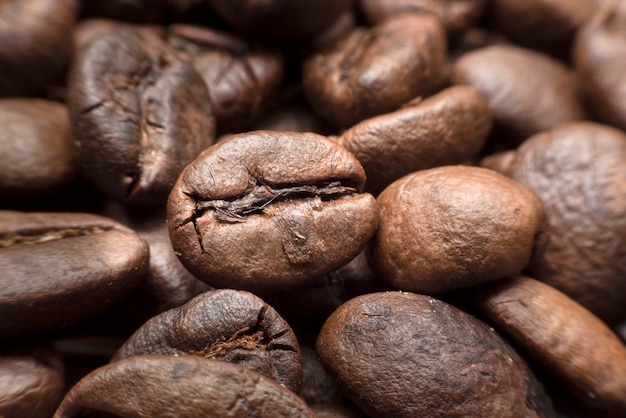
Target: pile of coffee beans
(312,208)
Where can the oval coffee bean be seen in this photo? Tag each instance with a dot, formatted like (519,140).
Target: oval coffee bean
(452,227)
(139,113)
(377,70)
(228,325)
(598,54)
(264,210)
(448,128)
(578,170)
(509,77)
(567,339)
(182,387)
(58,268)
(399,354)
(35,148)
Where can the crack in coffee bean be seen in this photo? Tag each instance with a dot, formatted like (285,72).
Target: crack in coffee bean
(13,239)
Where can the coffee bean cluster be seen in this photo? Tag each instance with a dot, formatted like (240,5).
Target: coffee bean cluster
(312,208)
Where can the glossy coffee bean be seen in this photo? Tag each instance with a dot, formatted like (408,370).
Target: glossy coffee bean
(240,76)
(399,354)
(453,227)
(185,387)
(35,44)
(227,325)
(59,268)
(450,127)
(377,70)
(139,115)
(509,77)
(267,210)
(35,148)
(578,170)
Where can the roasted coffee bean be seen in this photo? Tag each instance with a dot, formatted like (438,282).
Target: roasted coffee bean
(267,210)
(145,11)
(35,44)
(575,345)
(450,127)
(139,113)
(399,354)
(35,148)
(228,325)
(30,385)
(510,78)
(240,76)
(281,20)
(188,386)
(578,170)
(58,268)
(452,227)
(456,15)
(599,53)
(377,70)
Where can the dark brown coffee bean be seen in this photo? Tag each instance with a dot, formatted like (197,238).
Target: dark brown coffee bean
(448,128)
(139,114)
(456,15)
(29,386)
(35,44)
(399,354)
(548,25)
(147,11)
(567,339)
(185,387)
(509,77)
(281,20)
(377,70)
(578,170)
(59,268)
(452,227)
(35,148)
(240,76)
(267,210)
(599,54)
(228,325)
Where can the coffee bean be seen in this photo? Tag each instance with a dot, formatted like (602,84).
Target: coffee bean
(448,128)
(189,386)
(377,70)
(399,354)
(578,170)
(270,210)
(598,54)
(567,339)
(35,148)
(227,325)
(240,77)
(452,227)
(59,268)
(35,44)
(146,11)
(510,78)
(139,114)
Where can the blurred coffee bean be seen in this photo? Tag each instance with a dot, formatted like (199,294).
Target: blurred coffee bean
(452,227)
(377,70)
(59,268)
(146,11)
(528,92)
(139,114)
(578,170)
(35,148)
(227,325)
(265,210)
(188,386)
(240,76)
(399,354)
(35,44)
(448,128)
